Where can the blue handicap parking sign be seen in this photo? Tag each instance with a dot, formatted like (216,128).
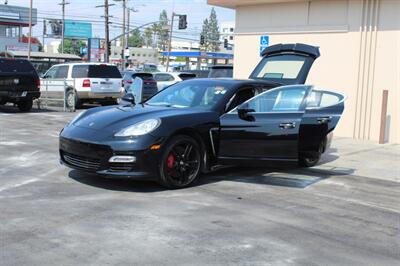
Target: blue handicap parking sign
(264,42)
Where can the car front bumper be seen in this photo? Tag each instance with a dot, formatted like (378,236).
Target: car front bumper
(95,158)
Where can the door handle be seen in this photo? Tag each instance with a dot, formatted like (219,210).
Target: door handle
(287,125)
(324,120)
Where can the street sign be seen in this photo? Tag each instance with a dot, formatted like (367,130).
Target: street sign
(264,43)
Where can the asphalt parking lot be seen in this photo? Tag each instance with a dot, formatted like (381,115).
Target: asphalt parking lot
(345,211)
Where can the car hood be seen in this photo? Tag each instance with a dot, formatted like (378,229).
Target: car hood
(117,117)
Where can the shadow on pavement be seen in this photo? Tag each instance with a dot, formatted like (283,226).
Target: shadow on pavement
(285,177)
(117,184)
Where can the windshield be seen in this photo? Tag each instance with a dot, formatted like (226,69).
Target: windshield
(194,94)
(221,73)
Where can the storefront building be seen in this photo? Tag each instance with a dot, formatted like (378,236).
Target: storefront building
(12,21)
(359,42)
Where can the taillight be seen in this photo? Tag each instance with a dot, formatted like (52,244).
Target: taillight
(149,81)
(129,81)
(38,84)
(86,83)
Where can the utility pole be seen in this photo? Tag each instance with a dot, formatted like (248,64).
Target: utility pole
(63,4)
(170,40)
(123,38)
(30,30)
(128,24)
(107,30)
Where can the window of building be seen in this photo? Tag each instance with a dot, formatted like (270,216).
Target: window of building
(231,38)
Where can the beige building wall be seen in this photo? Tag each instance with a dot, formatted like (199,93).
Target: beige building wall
(359,42)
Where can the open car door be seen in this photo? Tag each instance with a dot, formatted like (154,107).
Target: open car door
(323,111)
(286,64)
(282,124)
(264,128)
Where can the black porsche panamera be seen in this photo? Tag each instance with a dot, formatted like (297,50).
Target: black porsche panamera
(189,127)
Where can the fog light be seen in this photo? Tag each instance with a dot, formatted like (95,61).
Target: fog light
(122,159)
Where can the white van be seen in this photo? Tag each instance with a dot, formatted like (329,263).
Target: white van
(91,82)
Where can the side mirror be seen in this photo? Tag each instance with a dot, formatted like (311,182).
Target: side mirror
(129,98)
(243,112)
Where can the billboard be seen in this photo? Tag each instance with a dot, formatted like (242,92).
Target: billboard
(52,28)
(77,29)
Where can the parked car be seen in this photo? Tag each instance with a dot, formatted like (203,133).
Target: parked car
(221,71)
(86,82)
(148,86)
(19,83)
(191,126)
(165,79)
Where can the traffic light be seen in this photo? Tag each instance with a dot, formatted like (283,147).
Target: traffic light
(225,43)
(182,22)
(201,39)
(109,49)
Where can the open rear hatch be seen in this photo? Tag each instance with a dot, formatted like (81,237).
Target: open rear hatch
(286,64)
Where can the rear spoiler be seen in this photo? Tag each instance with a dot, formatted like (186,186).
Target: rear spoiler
(309,50)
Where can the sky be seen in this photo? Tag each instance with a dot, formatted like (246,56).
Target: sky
(148,11)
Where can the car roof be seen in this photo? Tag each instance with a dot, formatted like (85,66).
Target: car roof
(84,63)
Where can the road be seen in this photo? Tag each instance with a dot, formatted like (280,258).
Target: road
(234,216)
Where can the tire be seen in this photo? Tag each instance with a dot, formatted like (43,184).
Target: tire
(310,160)
(69,97)
(25,106)
(181,162)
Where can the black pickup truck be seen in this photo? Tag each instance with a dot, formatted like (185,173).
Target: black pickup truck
(19,83)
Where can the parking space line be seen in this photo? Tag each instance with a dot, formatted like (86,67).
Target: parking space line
(2,189)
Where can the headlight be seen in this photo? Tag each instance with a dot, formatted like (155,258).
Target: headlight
(140,128)
(76,118)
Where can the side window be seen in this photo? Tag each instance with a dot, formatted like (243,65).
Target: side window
(62,72)
(240,97)
(80,71)
(283,99)
(320,99)
(50,74)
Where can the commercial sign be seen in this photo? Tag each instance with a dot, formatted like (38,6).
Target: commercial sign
(77,29)
(264,42)
(9,15)
(52,28)
(94,50)
(15,48)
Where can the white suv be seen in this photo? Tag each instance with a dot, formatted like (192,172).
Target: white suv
(91,82)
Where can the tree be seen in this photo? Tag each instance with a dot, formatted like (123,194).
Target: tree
(148,37)
(210,31)
(204,33)
(136,39)
(213,32)
(72,46)
(163,33)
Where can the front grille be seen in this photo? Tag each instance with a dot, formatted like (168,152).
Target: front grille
(120,167)
(81,162)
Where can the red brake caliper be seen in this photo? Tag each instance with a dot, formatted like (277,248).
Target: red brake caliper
(170,161)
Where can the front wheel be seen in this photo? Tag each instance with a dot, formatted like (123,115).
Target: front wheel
(180,163)
(25,105)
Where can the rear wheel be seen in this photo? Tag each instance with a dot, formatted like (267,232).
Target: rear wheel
(180,163)
(311,159)
(72,99)
(25,105)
